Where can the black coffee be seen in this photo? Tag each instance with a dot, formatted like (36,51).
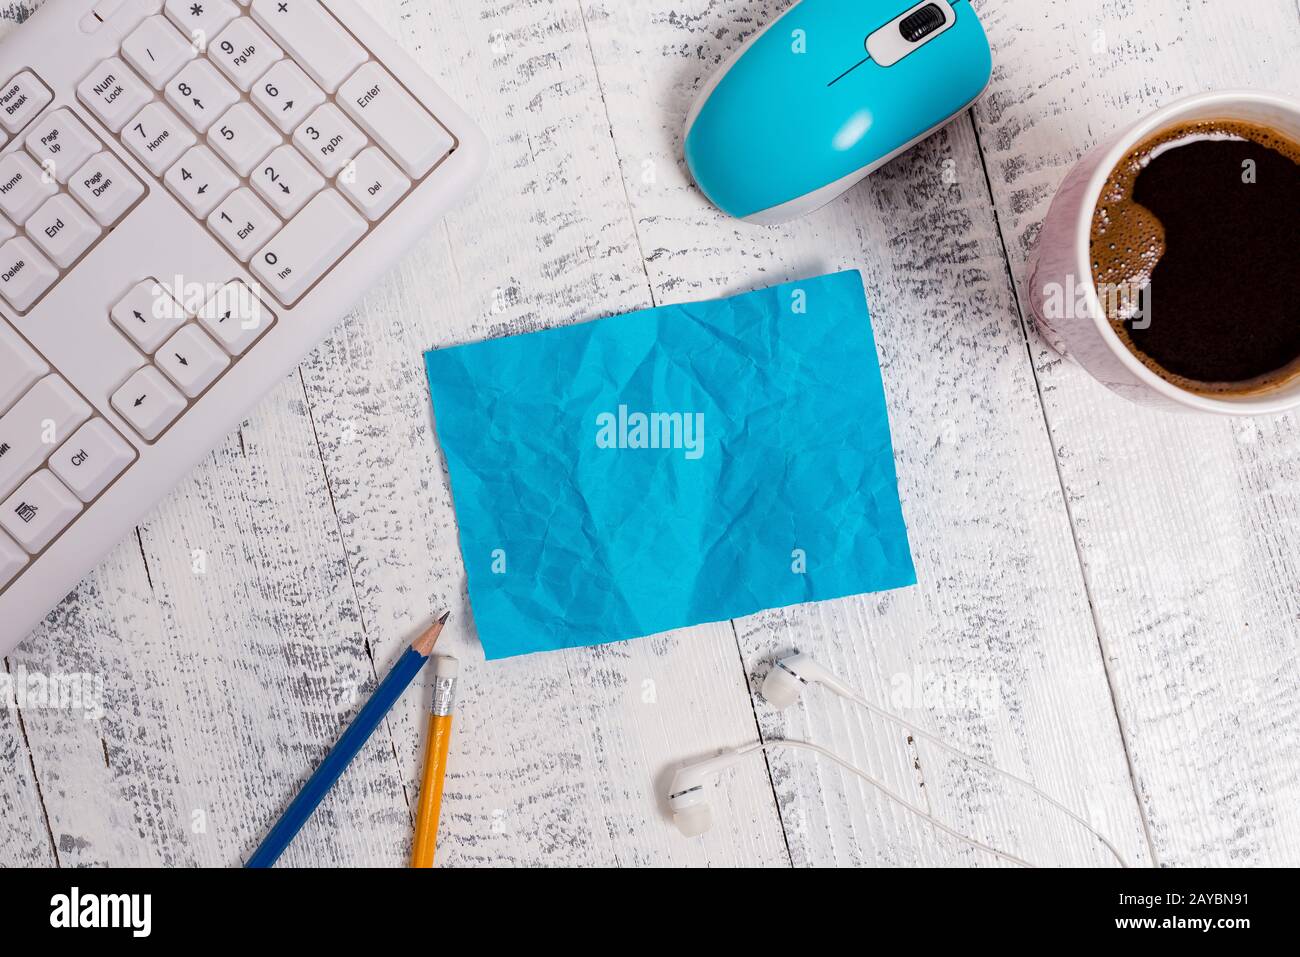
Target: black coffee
(1196,255)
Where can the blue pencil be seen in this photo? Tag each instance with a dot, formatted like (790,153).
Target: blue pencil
(351,742)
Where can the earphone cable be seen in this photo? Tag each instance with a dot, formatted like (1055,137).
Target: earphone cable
(943,745)
(879,786)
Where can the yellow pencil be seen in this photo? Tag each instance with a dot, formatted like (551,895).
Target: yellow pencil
(445,669)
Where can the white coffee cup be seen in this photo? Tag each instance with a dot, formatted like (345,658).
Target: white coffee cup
(1062,274)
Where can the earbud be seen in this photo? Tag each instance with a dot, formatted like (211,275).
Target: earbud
(688,793)
(788,675)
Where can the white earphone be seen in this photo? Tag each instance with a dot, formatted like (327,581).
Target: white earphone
(784,682)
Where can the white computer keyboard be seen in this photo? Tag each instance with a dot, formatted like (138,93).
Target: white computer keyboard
(191,193)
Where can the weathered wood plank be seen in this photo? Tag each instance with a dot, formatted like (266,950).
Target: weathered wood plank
(557,757)
(1000,614)
(229,646)
(1186,525)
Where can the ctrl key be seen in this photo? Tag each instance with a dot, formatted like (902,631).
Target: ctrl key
(39,510)
(91,459)
(149,402)
(24,273)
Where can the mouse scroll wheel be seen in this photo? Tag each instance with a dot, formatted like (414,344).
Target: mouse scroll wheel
(921,23)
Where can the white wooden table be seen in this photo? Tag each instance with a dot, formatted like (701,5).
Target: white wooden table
(1107,601)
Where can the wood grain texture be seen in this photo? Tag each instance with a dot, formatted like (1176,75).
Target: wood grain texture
(1000,616)
(1186,525)
(1079,559)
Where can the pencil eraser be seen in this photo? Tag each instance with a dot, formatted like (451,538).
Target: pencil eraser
(445,666)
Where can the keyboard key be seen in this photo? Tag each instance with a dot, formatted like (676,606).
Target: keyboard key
(91,459)
(157,137)
(286,181)
(394,120)
(373,183)
(20,366)
(192,360)
(38,423)
(60,143)
(200,94)
(310,244)
(21,99)
(25,273)
(113,93)
(62,230)
(156,50)
(40,509)
(12,560)
(243,52)
(241,137)
(200,181)
(286,95)
(313,36)
(149,402)
(329,139)
(23,186)
(200,21)
(7,230)
(243,223)
(148,314)
(236,317)
(105,187)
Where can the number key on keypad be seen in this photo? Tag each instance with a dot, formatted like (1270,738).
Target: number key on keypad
(329,139)
(201,94)
(243,223)
(200,180)
(243,52)
(286,181)
(157,137)
(241,137)
(286,95)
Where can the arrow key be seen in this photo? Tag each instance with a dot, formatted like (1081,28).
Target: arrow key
(200,180)
(192,360)
(148,314)
(148,402)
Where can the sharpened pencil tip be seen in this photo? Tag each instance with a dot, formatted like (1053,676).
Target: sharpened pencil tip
(424,644)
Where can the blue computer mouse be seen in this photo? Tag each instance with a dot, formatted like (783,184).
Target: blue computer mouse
(826,93)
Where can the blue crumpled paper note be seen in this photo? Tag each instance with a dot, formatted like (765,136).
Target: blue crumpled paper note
(671,466)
